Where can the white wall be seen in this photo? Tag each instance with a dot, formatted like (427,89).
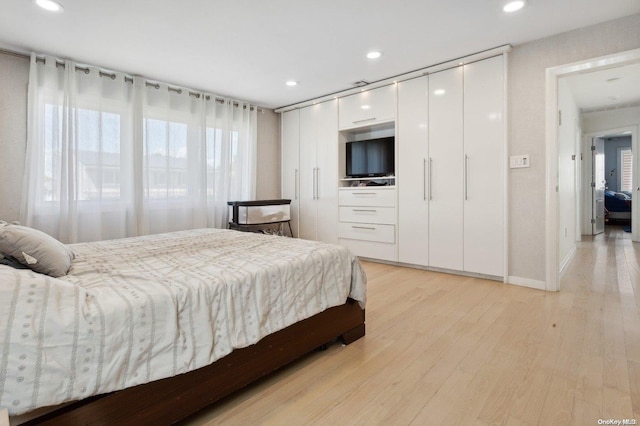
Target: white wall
(568,148)
(14,76)
(526,99)
(593,122)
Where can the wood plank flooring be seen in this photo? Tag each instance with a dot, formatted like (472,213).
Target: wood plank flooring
(445,349)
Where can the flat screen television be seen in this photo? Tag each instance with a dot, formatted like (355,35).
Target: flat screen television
(371,158)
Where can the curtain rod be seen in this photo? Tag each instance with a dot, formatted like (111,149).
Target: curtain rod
(129,79)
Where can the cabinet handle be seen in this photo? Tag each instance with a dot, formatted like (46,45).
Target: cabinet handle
(318,183)
(430,168)
(296,188)
(364,210)
(313,184)
(364,227)
(364,193)
(366,119)
(466,177)
(424,179)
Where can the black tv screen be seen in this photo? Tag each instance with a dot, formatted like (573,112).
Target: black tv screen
(371,158)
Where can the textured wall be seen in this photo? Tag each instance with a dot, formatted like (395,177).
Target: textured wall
(14,75)
(527,65)
(268,174)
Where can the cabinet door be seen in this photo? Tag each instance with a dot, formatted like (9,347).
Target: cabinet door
(447,160)
(370,107)
(484,169)
(290,150)
(413,170)
(326,118)
(308,169)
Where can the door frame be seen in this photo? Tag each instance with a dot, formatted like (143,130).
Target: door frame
(552,262)
(587,200)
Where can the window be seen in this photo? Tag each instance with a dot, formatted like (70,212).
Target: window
(109,159)
(97,158)
(625,165)
(165,153)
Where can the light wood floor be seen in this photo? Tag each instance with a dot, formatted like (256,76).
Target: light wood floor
(444,349)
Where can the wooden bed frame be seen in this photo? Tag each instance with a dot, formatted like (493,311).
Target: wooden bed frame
(169,400)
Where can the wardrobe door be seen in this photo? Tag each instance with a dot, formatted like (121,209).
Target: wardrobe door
(308,214)
(368,107)
(484,167)
(413,171)
(326,118)
(291,163)
(446,157)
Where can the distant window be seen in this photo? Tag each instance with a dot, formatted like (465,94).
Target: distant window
(625,166)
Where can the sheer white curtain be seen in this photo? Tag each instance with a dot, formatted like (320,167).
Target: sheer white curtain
(110,156)
(231,156)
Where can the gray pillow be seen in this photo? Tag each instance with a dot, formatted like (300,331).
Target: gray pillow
(35,249)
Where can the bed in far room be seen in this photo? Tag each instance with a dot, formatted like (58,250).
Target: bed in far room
(618,205)
(151,329)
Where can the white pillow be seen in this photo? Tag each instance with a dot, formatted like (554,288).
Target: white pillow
(35,249)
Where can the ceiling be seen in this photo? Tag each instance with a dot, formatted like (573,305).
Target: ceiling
(248,49)
(607,89)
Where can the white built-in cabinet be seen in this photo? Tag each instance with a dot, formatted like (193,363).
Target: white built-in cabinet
(413,171)
(444,209)
(368,108)
(446,158)
(484,149)
(310,170)
(451,169)
(368,214)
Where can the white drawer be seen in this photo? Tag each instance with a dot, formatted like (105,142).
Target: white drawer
(372,250)
(367,232)
(381,215)
(367,197)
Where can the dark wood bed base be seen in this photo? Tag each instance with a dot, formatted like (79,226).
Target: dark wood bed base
(169,400)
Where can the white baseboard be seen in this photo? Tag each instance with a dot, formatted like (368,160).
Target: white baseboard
(527,282)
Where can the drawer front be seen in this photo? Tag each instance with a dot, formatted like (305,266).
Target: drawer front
(380,215)
(372,250)
(367,232)
(368,197)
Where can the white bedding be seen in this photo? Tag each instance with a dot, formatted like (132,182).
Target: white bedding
(139,309)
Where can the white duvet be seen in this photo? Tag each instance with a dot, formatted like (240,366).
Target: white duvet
(140,309)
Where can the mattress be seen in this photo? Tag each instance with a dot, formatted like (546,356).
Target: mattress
(140,309)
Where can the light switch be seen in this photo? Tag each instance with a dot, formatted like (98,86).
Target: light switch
(518,161)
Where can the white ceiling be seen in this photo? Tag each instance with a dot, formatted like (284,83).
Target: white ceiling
(606,89)
(248,49)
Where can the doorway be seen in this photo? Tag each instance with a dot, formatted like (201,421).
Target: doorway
(609,192)
(556,225)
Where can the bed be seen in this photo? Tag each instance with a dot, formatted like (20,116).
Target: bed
(618,205)
(152,329)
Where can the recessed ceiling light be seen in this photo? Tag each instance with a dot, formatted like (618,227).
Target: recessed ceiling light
(50,5)
(439,92)
(374,54)
(291,83)
(365,107)
(512,6)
